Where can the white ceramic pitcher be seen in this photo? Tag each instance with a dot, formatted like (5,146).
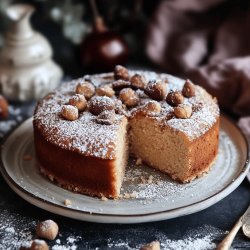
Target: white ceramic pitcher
(26,68)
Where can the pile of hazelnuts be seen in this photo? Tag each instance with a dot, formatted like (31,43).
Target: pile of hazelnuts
(99,103)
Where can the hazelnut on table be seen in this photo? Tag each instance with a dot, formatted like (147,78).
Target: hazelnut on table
(154,245)
(47,229)
(39,245)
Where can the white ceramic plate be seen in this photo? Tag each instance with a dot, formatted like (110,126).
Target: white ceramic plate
(160,200)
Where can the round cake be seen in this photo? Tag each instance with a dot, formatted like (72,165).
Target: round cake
(85,130)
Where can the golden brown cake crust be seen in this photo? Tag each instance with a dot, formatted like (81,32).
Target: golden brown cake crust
(75,152)
(74,172)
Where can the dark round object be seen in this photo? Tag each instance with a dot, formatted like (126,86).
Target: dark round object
(101,51)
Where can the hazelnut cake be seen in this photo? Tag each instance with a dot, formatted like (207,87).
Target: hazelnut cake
(85,130)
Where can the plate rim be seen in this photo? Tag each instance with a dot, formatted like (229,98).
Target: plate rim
(123,218)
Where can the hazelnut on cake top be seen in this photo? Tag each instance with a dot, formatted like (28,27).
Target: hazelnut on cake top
(85,130)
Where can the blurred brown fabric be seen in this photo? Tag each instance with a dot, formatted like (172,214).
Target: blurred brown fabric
(209,42)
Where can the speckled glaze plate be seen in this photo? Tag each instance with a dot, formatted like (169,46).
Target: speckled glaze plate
(156,197)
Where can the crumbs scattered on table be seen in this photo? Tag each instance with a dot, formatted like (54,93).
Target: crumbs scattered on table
(67,202)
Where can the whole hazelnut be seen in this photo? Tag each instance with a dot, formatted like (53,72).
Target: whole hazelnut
(154,245)
(152,106)
(39,245)
(107,117)
(129,97)
(121,72)
(157,90)
(105,90)
(47,229)
(175,98)
(188,89)
(138,81)
(98,104)
(69,112)
(78,101)
(85,88)
(4,111)
(183,111)
(120,84)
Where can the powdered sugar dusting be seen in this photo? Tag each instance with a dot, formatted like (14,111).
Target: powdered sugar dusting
(201,119)
(15,230)
(201,238)
(87,137)
(149,185)
(70,244)
(83,135)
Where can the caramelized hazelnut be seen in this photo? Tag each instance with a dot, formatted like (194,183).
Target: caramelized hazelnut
(106,117)
(188,89)
(98,104)
(85,88)
(138,81)
(69,112)
(152,106)
(78,101)
(174,98)
(129,97)
(47,229)
(183,111)
(120,84)
(121,72)
(105,90)
(157,90)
